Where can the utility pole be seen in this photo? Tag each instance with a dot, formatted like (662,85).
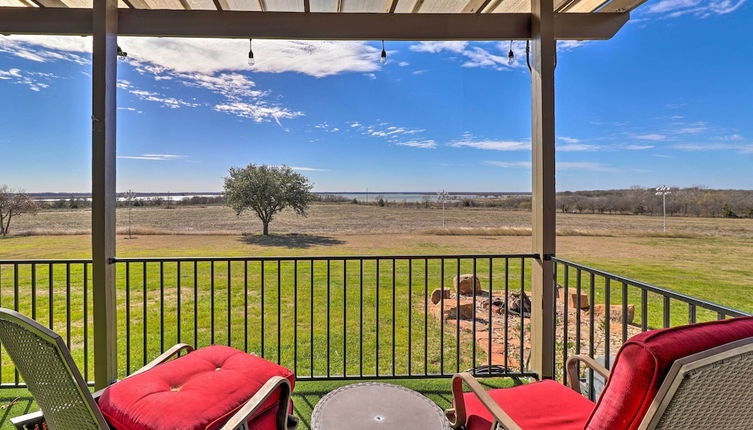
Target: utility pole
(662,191)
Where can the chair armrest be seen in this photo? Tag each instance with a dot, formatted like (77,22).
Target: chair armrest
(456,414)
(27,421)
(165,356)
(573,375)
(239,420)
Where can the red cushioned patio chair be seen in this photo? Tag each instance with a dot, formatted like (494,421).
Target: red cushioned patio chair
(212,388)
(697,376)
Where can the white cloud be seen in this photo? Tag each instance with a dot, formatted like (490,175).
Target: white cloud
(492,145)
(698,8)
(576,147)
(569,45)
(584,165)
(638,147)
(419,72)
(651,136)
(153,157)
(33,80)
(308,169)
(403,63)
(568,139)
(423,144)
(257,112)
(743,148)
(567,165)
(440,46)
(151,96)
(510,164)
(129,109)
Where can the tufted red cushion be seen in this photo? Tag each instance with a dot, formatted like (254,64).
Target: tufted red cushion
(544,405)
(198,391)
(645,359)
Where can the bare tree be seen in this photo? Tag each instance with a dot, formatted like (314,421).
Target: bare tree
(13,204)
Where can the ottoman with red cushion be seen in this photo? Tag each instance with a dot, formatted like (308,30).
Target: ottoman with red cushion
(199,391)
(637,373)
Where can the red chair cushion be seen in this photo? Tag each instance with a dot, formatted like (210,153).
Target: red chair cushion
(645,359)
(198,391)
(544,405)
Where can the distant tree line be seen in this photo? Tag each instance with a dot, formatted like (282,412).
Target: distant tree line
(692,201)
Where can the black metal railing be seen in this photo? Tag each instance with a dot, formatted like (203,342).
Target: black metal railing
(329,317)
(598,311)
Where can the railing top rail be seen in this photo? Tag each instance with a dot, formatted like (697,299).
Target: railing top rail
(653,288)
(321,258)
(47,261)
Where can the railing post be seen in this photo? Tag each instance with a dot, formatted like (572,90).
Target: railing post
(543,58)
(104,76)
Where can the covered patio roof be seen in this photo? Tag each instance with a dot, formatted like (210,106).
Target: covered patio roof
(543,22)
(322,19)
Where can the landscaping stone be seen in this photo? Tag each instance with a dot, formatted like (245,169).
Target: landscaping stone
(575,300)
(615,312)
(467,284)
(436,295)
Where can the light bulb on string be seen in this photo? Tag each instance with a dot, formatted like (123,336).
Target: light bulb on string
(510,56)
(383,57)
(251,60)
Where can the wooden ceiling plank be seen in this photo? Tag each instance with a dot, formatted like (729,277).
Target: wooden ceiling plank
(621,6)
(138,4)
(50,3)
(475,6)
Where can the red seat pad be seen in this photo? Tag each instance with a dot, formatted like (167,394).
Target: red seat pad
(645,359)
(544,405)
(198,391)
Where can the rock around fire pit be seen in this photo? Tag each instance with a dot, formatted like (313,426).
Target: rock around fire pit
(456,307)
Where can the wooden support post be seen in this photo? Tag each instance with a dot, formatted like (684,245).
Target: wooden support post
(543,58)
(104,76)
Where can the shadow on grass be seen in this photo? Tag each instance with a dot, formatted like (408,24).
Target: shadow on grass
(14,403)
(296,241)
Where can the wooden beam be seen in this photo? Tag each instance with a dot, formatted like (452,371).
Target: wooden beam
(543,58)
(262,5)
(185,4)
(297,25)
(600,26)
(390,6)
(475,6)
(339,6)
(307,6)
(416,6)
(104,108)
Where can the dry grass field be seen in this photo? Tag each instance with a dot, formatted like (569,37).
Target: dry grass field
(346,218)
(707,258)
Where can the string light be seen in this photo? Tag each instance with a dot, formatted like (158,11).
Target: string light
(383,58)
(510,56)
(251,60)
(121,53)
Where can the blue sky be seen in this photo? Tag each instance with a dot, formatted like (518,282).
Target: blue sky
(668,100)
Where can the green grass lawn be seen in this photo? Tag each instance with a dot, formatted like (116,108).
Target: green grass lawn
(226,308)
(306,395)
